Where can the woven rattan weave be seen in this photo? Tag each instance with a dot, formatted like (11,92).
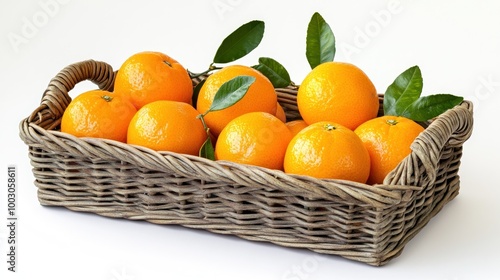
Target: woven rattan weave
(370,224)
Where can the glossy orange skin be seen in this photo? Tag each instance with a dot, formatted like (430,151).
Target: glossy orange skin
(337,92)
(167,126)
(328,150)
(260,97)
(255,138)
(150,76)
(388,140)
(99,114)
(296,126)
(280,113)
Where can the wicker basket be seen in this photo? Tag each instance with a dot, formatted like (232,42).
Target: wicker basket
(370,224)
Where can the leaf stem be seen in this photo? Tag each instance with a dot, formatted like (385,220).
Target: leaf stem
(207,149)
(211,68)
(202,119)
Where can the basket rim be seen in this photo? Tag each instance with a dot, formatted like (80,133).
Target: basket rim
(392,212)
(380,195)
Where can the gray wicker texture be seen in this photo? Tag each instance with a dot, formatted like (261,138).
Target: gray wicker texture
(370,224)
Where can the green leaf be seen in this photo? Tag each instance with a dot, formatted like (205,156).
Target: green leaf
(320,41)
(403,91)
(428,107)
(241,42)
(231,92)
(207,150)
(196,92)
(274,71)
(402,98)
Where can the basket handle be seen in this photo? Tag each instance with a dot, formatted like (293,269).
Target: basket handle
(55,99)
(451,128)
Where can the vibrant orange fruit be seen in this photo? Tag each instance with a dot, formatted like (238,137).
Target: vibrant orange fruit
(98,113)
(388,140)
(280,113)
(150,76)
(337,92)
(328,150)
(296,126)
(260,97)
(256,138)
(167,126)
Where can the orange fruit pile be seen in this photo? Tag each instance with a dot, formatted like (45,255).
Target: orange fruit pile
(260,97)
(328,150)
(341,95)
(337,92)
(339,135)
(150,106)
(149,76)
(100,114)
(167,126)
(388,140)
(256,138)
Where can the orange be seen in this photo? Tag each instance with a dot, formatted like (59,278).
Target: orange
(260,97)
(167,126)
(388,140)
(150,76)
(256,138)
(337,92)
(296,126)
(280,113)
(98,113)
(328,150)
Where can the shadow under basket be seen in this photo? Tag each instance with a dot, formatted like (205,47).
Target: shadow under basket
(369,224)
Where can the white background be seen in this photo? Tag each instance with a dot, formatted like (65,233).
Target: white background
(455,43)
